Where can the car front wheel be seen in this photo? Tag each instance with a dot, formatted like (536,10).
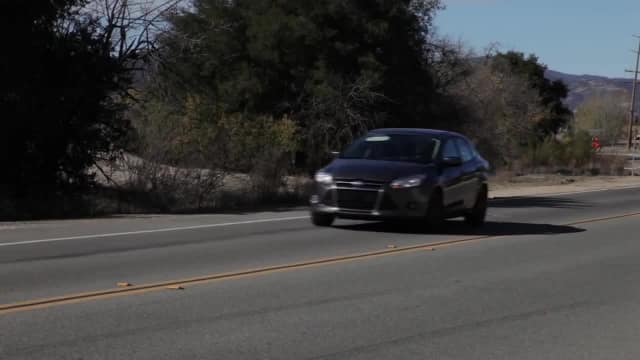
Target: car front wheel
(478,214)
(435,210)
(322,220)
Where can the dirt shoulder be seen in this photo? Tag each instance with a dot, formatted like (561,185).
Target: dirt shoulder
(529,185)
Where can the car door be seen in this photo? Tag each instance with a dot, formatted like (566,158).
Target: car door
(469,183)
(452,187)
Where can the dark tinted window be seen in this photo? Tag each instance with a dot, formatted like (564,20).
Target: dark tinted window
(394,147)
(474,150)
(450,150)
(466,151)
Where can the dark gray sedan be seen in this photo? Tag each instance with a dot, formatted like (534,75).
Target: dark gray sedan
(398,174)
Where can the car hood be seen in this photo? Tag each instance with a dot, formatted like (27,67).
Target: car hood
(374,170)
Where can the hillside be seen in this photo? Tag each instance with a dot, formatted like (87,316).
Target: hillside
(581,87)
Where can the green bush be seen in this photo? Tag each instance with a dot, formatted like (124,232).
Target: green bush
(573,151)
(190,154)
(263,148)
(579,152)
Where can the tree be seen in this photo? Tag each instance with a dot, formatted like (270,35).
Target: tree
(451,62)
(502,111)
(551,93)
(58,105)
(336,67)
(129,28)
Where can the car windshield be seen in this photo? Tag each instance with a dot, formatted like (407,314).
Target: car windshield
(394,147)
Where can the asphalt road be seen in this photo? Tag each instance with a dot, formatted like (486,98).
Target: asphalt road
(548,278)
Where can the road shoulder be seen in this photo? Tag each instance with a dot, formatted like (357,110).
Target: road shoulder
(547,185)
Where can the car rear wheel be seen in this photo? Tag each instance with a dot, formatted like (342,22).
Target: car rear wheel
(322,220)
(478,214)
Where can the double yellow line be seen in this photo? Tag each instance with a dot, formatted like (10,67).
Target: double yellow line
(138,289)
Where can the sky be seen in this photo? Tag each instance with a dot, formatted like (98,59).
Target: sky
(592,37)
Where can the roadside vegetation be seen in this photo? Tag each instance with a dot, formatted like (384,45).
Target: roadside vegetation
(118,106)
(605,115)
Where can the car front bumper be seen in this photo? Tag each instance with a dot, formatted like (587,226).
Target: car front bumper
(382,203)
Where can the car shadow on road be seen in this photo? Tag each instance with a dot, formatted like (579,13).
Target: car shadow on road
(538,201)
(491,228)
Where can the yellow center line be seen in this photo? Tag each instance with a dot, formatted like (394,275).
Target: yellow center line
(138,289)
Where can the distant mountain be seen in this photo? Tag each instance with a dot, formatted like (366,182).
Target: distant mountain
(581,87)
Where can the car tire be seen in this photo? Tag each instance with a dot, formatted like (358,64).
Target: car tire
(478,214)
(322,220)
(435,210)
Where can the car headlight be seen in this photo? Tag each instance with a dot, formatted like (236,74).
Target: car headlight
(408,182)
(324,178)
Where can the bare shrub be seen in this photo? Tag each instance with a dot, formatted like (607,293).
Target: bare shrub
(169,188)
(608,165)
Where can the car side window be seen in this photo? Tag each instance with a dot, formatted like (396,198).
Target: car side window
(474,150)
(450,150)
(466,151)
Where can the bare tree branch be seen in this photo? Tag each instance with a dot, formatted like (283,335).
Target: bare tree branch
(130,28)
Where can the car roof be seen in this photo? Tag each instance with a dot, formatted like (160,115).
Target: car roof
(415,131)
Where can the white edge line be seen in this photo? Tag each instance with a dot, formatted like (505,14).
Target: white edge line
(195,227)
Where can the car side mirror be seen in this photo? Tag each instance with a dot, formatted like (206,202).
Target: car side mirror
(452,161)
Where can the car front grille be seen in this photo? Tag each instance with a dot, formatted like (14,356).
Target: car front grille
(359,184)
(357,199)
(354,194)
